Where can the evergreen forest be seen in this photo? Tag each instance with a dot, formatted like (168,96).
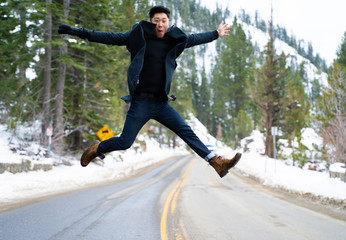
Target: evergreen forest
(74,86)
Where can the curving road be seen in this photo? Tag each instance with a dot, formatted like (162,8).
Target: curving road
(182,199)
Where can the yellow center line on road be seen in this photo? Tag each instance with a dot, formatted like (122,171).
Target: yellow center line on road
(173,195)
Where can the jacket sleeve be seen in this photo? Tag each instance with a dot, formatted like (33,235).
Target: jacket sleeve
(111,38)
(201,38)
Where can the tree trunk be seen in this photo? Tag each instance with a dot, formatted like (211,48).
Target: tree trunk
(76,135)
(24,50)
(219,132)
(174,141)
(58,121)
(160,136)
(270,108)
(22,65)
(45,116)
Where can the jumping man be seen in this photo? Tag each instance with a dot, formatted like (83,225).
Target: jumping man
(154,47)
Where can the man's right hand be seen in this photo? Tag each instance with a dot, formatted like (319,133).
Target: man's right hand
(79,32)
(64,29)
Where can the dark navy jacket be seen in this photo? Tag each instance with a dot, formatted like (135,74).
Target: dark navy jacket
(135,43)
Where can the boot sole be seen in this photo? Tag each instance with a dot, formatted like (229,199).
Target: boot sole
(81,159)
(236,159)
(224,173)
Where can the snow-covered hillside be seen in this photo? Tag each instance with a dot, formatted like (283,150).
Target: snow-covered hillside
(261,39)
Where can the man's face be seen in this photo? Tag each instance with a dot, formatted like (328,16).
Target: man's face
(162,22)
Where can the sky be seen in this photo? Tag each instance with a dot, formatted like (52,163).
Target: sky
(321,22)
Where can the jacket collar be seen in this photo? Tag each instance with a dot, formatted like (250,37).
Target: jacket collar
(176,33)
(148,27)
(172,32)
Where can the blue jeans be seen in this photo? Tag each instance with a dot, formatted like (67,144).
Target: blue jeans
(141,111)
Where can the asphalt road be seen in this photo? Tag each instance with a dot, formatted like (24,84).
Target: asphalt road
(182,199)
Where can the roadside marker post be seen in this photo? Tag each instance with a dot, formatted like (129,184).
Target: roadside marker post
(274,133)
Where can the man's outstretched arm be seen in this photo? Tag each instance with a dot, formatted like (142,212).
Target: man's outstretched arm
(95,36)
(206,37)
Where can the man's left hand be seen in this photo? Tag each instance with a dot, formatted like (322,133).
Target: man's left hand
(223,29)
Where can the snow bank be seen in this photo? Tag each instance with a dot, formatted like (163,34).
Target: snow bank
(338,168)
(19,187)
(278,175)
(15,188)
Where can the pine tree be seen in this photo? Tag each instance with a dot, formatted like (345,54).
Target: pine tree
(295,109)
(243,125)
(58,121)
(194,82)
(23,37)
(232,72)
(268,89)
(45,115)
(316,90)
(204,103)
(93,69)
(341,53)
(16,56)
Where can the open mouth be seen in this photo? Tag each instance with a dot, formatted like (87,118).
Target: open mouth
(160,32)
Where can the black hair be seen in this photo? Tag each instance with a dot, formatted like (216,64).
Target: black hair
(158,9)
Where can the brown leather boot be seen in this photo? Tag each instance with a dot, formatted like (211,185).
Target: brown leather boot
(90,154)
(222,165)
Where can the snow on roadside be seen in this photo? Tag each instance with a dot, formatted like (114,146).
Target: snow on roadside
(278,175)
(6,154)
(18,187)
